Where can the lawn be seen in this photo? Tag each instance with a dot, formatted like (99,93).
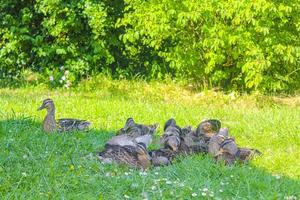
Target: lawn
(35,165)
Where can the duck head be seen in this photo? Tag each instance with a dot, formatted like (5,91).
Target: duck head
(207,128)
(47,104)
(171,136)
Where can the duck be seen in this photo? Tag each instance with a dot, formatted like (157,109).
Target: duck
(162,156)
(126,152)
(191,143)
(171,137)
(133,133)
(135,130)
(129,146)
(171,145)
(62,125)
(224,148)
(207,128)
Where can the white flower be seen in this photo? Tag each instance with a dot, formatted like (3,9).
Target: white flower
(232,95)
(67,72)
(203,194)
(126,174)
(156,173)
(24,174)
(169,182)
(51,78)
(153,187)
(205,189)
(194,194)
(61,67)
(143,173)
(126,196)
(211,194)
(231,176)
(292,197)
(145,196)
(221,190)
(63,78)
(277,176)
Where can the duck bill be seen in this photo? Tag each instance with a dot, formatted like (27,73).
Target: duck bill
(41,107)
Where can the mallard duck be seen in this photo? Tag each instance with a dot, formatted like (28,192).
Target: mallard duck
(133,133)
(130,146)
(207,128)
(132,155)
(134,129)
(62,125)
(127,140)
(191,143)
(162,156)
(124,149)
(224,148)
(171,137)
(171,143)
(244,154)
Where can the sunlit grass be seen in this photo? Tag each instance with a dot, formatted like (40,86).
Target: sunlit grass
(35,165)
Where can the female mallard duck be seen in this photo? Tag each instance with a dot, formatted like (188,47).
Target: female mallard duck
(207,128)
(130,146)
(127,152)
(135,130)
(171,145)
(224,148)
(62,125)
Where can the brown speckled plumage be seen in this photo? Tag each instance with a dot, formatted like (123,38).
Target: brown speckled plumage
(224,148)
(134,156)
(130,146)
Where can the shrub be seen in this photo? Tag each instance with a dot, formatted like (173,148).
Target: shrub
(245,44)
(48,36)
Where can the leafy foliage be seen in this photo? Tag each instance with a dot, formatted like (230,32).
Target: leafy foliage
(245,45)
(49,36)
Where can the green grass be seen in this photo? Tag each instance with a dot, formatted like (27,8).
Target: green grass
(35,165)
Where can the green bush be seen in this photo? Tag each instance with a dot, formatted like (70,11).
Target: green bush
(66,41)
(244,45)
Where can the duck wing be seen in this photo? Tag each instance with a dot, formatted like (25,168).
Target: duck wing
(69,124)
(121,140)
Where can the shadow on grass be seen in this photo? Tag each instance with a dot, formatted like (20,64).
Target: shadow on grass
(38,165)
